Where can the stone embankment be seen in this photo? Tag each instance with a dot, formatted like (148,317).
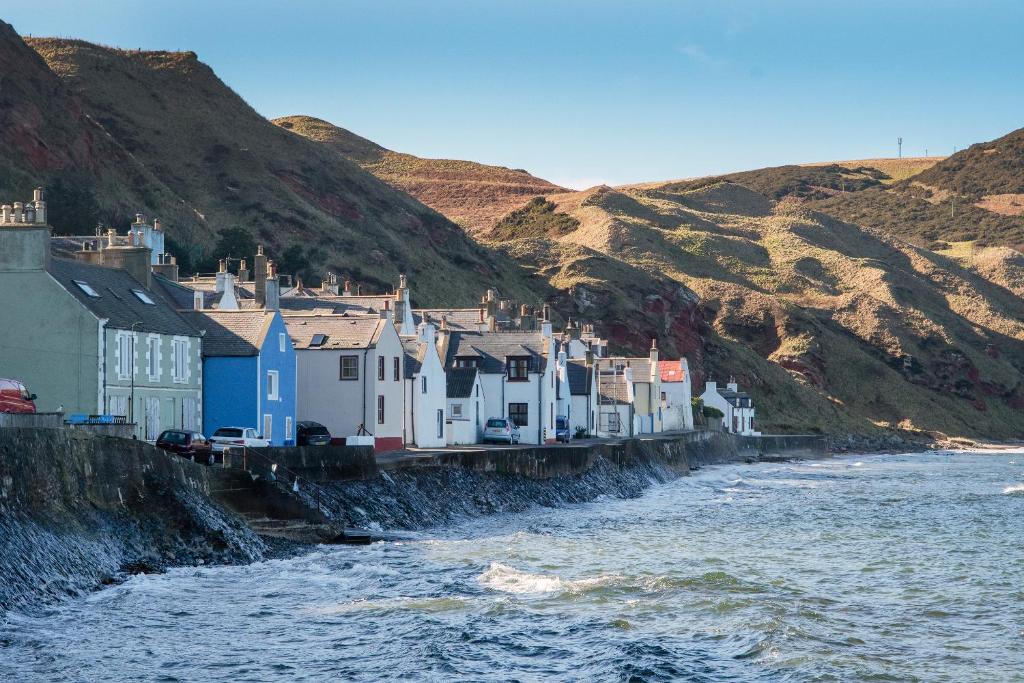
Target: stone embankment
(78,510)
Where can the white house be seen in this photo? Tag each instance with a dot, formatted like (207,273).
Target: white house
(466,408)
(676,394)
(736,406)
(426,392)
(517,373)
(582,411)
(350,375)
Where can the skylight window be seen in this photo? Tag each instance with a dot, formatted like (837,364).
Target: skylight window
(318,340)
(87,288)
(143,297)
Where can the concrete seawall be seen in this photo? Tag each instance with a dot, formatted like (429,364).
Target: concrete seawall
(78,509)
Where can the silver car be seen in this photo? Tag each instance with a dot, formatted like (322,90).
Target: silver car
(501,429)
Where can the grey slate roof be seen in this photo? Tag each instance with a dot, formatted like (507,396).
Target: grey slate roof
(461,382)
(232,333)
(116,302)
(494,347)
(414,352)
(341,332)
(580,377)
(459,318)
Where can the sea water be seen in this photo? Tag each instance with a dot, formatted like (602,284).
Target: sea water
(880,568)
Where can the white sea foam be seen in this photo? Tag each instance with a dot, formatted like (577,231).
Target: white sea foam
(511,580)
(1014,490)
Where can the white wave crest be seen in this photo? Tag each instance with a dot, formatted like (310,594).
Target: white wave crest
(511,580)
(1014,490)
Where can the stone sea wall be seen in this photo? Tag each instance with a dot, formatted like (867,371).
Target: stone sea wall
(78,509)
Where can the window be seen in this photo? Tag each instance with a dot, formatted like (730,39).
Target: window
(664,399)
(282,342)
(179,366)
(153,344)
(268,427)
(349,368)
(466,362)
(87,288)
(477,390)
(518,370)
(423,384)
(272,393)
(380,410)
(519,413)
(440,424)
(288,428)
(318,340)
(397,368)
(380,368)
(143,297)
(125,351)
(457,410)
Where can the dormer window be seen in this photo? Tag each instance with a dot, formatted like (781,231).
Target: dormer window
(518,369)
(467,362)
(143,297)
(87,288)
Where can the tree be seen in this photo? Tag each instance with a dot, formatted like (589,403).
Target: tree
(71,205)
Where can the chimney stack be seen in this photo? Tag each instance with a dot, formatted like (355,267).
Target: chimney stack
(348,288)
(243,271)
(654,353)
(134,257)
(37,199)
(273,288)
(259,270)
(166,266)
(222,270)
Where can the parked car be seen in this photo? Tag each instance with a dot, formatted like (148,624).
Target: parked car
(309,433)
(233,437)
(15,398)
(501,429)
(186,443)
(562,432)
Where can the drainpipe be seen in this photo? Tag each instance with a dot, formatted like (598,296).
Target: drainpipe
(103,365)
(366,384)
(540,410)
(412,402)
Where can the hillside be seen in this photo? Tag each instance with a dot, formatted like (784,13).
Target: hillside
(47,139)
(473,195)
(858,329)
(251,181)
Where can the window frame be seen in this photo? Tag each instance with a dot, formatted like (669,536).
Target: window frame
(380,409)
(517,369)
(153,349)
(524,410)
(355,368)
(274,385)
(380,369)
(397,369)
(281,343)
(456,410)
(423,384)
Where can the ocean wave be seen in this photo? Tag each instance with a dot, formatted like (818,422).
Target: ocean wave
(507,579)
(1014,490)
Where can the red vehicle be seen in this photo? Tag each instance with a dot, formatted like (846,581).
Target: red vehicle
(15,398)
(187,444)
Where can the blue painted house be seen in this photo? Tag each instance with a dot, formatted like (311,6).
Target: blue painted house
(249,375)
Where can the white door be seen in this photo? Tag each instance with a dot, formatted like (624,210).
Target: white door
(268,424)
(152,419)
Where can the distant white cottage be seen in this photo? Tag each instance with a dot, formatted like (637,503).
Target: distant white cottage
(736,406)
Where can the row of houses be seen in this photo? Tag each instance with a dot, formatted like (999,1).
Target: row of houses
(103,324)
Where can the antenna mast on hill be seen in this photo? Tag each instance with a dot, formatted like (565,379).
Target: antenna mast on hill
(899,144)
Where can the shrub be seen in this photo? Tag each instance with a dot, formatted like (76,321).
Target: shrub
(581,433)
(713,413)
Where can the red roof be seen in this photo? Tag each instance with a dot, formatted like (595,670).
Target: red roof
(671,371)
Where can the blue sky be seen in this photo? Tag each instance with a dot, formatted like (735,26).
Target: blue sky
(587,92)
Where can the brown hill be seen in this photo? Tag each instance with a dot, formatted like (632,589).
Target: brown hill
(473,195)
(312,208)
(832,325)
(47,139)
(987,168)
